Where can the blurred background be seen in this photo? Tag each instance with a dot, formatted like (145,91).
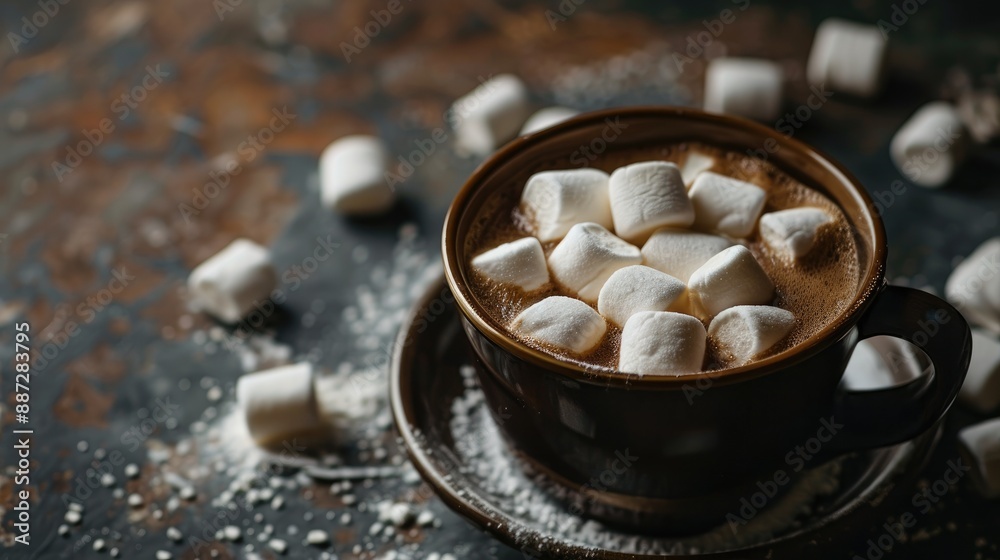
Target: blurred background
(121,125)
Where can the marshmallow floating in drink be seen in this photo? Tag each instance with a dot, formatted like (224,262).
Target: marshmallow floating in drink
(974,286)
(279,403)
(981,389)
(930,145)
(490,115)
(847,57)
(662,342)
(695,163)
(745,332)
(731,278)
(228,284)
(563,322)
(547,117)
(520,263)
(793,232)
(639,288)
(646,196)
(726,205)
(680,252)
(555,201)
(980,444)
(588,255)
(352,176)
(747,87)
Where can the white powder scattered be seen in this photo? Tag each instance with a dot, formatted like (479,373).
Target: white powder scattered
(500,485)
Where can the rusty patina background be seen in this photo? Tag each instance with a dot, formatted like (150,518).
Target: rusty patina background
(215,73)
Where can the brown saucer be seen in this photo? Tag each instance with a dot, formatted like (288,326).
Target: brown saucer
(453,442)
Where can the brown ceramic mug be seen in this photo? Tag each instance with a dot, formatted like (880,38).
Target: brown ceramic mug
(669,453)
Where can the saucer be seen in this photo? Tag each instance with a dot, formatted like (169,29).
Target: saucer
(456,446)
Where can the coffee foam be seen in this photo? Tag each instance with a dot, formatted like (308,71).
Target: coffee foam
(816,288)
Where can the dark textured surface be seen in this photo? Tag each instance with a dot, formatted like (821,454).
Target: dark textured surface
(65,232)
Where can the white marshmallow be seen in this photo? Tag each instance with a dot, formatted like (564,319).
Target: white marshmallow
(695,163)
(639,288)
(662,342)
(490,115)
(228,284)
(521,263)
(352,176)
(793,231)
(981,442)
(847,57)
(731,278)
(588,255)
(646,196)
(930,145)
(745,332)
(726,205)
(547,117)
(563,322)
(880,362)
(680,252)
(555,201)
(981,389)
(279,403)
(747,87)
(974,286)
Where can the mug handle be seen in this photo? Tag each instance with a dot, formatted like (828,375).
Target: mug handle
(882,417)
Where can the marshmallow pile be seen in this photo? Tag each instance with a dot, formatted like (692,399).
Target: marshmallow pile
(642,251)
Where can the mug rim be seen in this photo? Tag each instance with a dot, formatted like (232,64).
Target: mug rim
(869,286)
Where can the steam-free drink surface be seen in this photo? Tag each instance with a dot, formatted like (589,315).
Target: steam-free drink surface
(817,288)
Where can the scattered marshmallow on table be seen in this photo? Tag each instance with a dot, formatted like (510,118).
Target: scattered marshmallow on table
(490,115)
(974,286)
(679,252)
(279,403)
(745,332)
(879,362)
(746,87)
(639,288)
(793,231)
(521,263)
(352,176)
(725,204)
(555,201)
(547,117)
(563,322)
(228,284)
(731,278)
(981,442)
(662,342)
(981,389)
(646,196)
(847,57)
(930,145)
(695,163)
(588,255)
